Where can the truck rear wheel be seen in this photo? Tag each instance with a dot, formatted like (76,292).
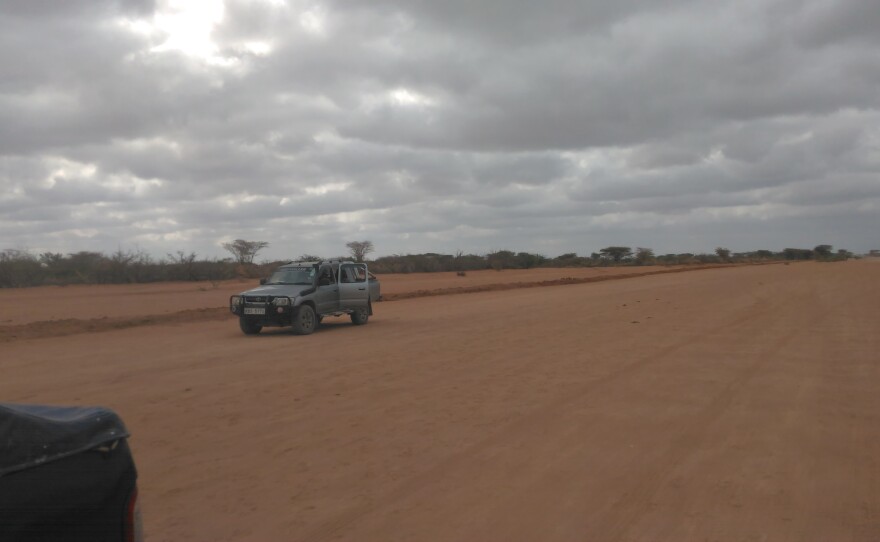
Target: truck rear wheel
(360,316)
(304,320)
(249,328)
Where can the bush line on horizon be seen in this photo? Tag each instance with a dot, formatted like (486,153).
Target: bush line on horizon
(20,268)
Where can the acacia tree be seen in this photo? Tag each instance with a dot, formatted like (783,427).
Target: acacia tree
(359,249)
(243,251)
(823,251)
(723,254)
(616,253)
(644,256)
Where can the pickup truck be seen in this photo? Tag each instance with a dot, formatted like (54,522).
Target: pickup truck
(301,294)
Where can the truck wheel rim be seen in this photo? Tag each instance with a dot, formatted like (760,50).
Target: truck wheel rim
(306,319)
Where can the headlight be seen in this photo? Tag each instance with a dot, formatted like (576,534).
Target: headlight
(235,300)
(281,301)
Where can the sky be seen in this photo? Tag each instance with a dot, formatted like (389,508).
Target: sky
(425,126)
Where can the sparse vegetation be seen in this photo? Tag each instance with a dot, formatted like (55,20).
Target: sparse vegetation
(616,254)
(644,256)
(359,249)
(723,254)
(243,251)
(20,268)
(823,251)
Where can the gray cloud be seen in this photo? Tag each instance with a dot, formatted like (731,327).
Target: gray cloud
(439,126)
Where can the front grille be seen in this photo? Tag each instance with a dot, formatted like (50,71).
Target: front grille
(256,299)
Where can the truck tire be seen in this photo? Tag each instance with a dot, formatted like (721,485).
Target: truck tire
(249,328)
(304,320)
(360,316)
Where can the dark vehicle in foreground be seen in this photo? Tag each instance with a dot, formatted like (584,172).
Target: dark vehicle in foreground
(66,473)
(301,294)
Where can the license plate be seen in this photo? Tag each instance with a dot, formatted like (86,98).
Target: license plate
(249,310)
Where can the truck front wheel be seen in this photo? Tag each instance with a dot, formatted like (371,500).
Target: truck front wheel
(304,320)
(249,328)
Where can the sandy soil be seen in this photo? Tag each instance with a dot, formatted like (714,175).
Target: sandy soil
(726,404)
(56,311)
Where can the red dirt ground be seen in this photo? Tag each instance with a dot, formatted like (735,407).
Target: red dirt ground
(724,404)
(56,311)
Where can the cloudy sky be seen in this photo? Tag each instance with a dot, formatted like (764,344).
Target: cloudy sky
(437,126)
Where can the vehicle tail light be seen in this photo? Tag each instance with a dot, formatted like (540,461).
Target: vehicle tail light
(133,528)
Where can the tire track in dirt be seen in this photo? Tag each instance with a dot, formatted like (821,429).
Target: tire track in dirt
(73,326)
(625,510)
(485,452)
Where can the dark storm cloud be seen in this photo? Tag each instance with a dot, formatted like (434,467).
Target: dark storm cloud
(647,76)
(437,126)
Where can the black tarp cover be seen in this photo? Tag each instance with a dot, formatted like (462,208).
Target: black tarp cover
(32,435)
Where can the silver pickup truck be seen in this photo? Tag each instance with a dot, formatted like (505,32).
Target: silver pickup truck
(301,294)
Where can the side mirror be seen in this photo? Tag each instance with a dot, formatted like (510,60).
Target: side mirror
(262,282)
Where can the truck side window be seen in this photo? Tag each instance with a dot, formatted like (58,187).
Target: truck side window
(327,277)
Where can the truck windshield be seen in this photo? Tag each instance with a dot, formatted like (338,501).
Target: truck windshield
(293,275)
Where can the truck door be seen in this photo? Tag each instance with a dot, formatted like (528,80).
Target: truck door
(327,292)
(353,286)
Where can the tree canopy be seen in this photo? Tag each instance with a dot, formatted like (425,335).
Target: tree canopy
(359,249)
(243,251)
(616,254)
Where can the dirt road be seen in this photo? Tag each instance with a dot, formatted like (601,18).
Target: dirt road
(731,404)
